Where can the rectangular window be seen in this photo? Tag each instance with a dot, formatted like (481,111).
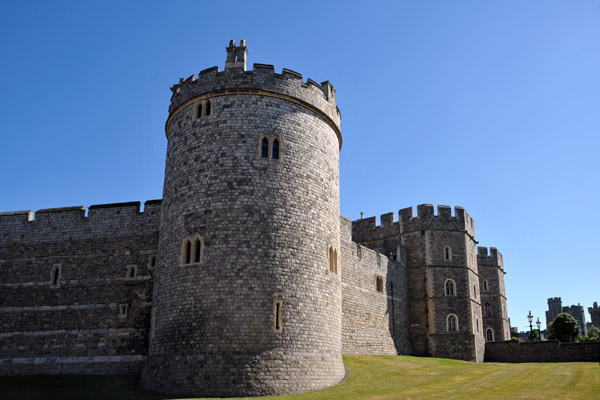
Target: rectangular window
(131,272)
(379,284)
(277,311)
(123,308)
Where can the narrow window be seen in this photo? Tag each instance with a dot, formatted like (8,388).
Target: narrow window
(197,250)
(130,272)
(477,324)
(332,260)
(379,284)
(450,287)
(55,276)
(277,308)
(199,111)
(359,251)
(447,253)
(452,323)
(188,252)
(475,291)
(152,262)
(264,153)
(485,284)
(123,308)
(378,259)
(335,262)
(208,107)
(191,250)
(487,308)
(275,149)
(489,335)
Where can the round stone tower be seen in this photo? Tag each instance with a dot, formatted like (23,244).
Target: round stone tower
(247,293)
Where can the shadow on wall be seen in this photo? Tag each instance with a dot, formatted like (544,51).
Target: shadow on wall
(397,301)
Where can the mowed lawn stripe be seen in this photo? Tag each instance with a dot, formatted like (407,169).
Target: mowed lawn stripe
(393,377)
(369,377)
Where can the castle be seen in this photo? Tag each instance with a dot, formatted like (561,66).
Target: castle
(244,279)
(555,307)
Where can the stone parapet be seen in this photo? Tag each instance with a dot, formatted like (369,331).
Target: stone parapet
(493,259)
(262,80)
(367,229)
(99,217)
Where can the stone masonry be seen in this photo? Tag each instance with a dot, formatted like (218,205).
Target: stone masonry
(267,224)
(244,279)
(496,325)
(75,291)
(445,277)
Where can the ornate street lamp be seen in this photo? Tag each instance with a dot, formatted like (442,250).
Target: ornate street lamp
(538,323)
(530,318)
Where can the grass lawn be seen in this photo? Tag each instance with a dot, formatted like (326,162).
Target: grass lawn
(370,377)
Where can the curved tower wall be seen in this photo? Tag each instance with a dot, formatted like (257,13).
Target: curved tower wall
(266,226)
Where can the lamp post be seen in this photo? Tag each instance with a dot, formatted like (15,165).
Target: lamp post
(538,323)
(530,318)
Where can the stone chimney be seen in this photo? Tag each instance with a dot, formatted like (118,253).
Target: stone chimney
(236,56)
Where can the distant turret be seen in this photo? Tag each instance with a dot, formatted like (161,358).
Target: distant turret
(554,308)
(595,314)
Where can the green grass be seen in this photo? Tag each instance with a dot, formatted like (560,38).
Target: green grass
(370,377)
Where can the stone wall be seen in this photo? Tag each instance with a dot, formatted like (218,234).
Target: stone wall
(75,291)
(373,321)
(514,351)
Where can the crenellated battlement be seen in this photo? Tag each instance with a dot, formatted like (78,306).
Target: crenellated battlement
(555,300)
(261,77)
(491,259)
(64,219)
(261,80)
(426,219)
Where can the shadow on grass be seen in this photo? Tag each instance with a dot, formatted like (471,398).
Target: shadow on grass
(74,387)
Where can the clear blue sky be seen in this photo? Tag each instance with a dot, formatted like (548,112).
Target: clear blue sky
(489,105)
